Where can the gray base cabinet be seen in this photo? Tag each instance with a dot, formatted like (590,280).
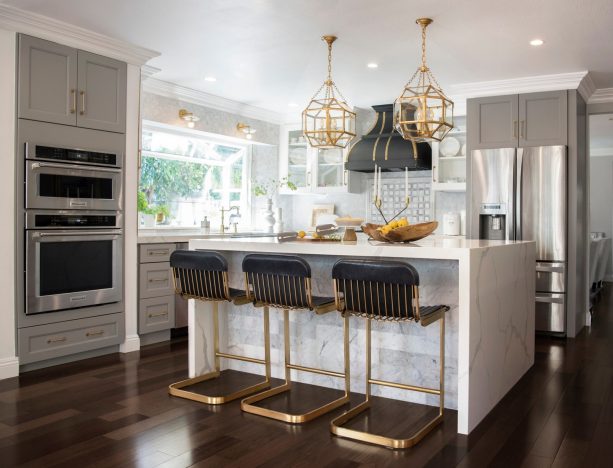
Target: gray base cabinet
(59,84)
(64,338)
(156,294)
(534,119)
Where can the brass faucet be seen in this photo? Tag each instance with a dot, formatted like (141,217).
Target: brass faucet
(222,228)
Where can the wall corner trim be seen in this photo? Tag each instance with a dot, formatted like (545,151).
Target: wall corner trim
(9,367)
(131,343)
(22,21)
(601,96)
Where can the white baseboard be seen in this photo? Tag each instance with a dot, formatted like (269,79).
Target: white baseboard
(131,343)
(9,367)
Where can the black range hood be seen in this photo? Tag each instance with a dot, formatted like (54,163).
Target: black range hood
(385,147)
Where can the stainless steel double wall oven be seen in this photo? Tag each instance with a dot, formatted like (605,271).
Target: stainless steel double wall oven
(73,217)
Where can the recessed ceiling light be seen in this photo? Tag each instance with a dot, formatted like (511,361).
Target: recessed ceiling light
(210,79)
(372,65)
(537,42)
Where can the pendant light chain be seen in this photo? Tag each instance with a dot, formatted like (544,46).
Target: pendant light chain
(424,67)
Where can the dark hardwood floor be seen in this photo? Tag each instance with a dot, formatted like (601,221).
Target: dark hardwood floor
(115,411)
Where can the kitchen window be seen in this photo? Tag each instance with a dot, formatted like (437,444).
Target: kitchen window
(186,175)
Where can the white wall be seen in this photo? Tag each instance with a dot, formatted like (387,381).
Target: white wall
(8,361)
(601,198)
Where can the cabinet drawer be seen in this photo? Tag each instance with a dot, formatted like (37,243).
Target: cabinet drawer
(155,280)
(156,314)
(64,338)
(156,252)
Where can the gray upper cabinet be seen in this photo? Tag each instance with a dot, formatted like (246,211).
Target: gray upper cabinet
(543,118)
(102,93)
(47,81)
(492,122)
(67,86)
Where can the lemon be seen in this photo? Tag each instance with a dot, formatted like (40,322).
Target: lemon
(393,224)
(301,234)
(315,235)
(385,229)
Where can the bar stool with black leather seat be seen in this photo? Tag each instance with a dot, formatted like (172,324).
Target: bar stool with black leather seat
(284,281)
(385,291)
(203,276)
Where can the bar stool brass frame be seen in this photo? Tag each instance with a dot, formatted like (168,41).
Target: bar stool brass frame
(210,287)
(401,298)
(290,288)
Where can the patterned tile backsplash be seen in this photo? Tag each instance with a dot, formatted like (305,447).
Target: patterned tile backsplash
(393,195)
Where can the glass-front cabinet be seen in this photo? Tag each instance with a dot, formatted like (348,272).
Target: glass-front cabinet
(449,160)
(313,170)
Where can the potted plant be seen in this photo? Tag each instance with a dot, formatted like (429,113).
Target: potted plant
(148,215)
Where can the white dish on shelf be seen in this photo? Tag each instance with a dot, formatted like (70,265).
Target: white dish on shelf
(450,146)
(297,156)
(463,150)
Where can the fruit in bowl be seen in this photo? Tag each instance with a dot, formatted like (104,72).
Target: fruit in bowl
(399,230)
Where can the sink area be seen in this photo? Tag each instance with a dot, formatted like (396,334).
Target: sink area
(251,234)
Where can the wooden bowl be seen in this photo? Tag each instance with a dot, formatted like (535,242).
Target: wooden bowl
(409,233)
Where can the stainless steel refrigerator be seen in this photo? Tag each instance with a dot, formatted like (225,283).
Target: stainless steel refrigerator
(520,194)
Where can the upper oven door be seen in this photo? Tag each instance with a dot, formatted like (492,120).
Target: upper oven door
(65,186)
(70,269)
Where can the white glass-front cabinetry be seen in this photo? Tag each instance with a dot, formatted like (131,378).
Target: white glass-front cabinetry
(449,160)
(313,170)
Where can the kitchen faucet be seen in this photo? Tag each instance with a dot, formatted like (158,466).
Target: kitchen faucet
(233,218)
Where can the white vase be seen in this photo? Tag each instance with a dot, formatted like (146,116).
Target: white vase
(269,216)
(278,220)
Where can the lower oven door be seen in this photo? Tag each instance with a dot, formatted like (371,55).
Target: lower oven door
(70,269)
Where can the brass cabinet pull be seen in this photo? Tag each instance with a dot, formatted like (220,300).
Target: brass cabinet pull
(522,129)
(345,177)
(515,129)
(309,180)
(161,314)
(73,95)
(82,94)
(56,340)
(95,333)
(157,280)
(158,252)
(433,173)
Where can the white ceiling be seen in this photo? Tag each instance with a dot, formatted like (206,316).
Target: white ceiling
(268,53)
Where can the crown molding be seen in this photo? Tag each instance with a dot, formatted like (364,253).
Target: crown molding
(600,96)
(527,84)
(587,87)
(146,71)
(22,21)
(601,152)
(183,93)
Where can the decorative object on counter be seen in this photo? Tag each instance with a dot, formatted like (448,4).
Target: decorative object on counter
(189,117)
(278,227)
(268,189)
(451,224)
(318,210)
(423,112)
(349,224)
(205,224)
(378,201)
(409,233)
(391,190)
(328,121)
(246,129)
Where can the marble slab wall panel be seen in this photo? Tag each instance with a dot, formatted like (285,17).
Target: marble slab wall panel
(403,352)
(501,326)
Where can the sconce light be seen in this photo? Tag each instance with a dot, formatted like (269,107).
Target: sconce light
(189,117)
(246,129)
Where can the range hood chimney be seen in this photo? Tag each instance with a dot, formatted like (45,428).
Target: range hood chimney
(386,148)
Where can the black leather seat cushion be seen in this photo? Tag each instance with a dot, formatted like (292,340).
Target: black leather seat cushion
(390,272)
(429,310)
(275,264)
(234,293)
(319,301)
(198,260)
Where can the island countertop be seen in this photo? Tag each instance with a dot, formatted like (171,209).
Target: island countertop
(432,247)
(489,334)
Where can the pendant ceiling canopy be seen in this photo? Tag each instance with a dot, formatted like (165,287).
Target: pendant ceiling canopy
(328,121)
(423,112)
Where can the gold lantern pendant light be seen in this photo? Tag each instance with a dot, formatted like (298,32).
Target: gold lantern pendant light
(328,121)
(423,112)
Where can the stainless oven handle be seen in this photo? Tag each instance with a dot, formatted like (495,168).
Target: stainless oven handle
(38,165)
(77,233)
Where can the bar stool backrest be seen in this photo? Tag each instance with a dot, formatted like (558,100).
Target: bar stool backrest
(282,281)
(379,290)
(200,275)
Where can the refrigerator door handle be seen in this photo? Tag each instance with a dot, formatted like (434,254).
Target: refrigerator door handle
(518,193)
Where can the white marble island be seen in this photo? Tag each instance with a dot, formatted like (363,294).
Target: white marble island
(489,286)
